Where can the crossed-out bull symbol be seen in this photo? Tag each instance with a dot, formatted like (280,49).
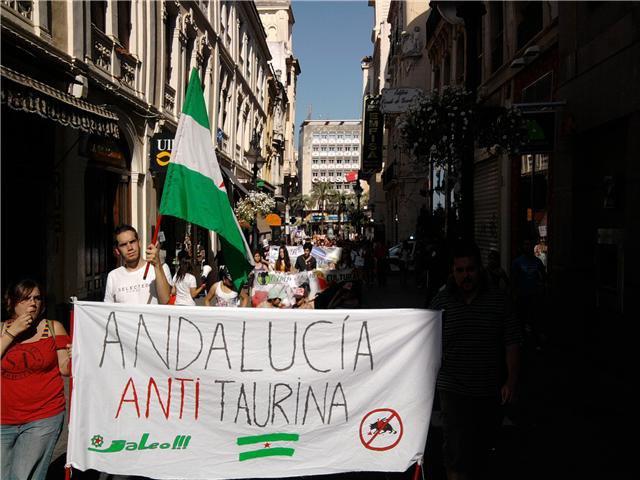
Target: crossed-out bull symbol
(381,426)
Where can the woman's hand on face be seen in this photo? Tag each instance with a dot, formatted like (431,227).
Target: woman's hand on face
(21,324)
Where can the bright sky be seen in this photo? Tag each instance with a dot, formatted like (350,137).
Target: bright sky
(329,39)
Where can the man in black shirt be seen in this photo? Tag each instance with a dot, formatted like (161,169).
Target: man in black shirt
(480,359)
(306,262)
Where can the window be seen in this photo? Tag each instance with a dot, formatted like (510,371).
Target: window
(169,28)
(124,23)
(529,21)
(98,14)
(497,35)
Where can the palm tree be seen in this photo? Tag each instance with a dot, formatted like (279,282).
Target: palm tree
(297,203)
(321,193)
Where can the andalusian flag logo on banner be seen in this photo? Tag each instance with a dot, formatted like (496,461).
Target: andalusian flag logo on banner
(194,189)
(270,443)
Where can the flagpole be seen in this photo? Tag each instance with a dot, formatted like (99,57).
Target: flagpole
(67,468)
(155,239)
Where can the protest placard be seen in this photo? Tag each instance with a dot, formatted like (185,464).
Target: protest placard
(194,393)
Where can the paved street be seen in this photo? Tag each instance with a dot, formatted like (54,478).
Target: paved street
(559,428)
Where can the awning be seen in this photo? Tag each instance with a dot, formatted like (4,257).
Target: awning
(263,225)
(233,179)
(274,220)
(23,93)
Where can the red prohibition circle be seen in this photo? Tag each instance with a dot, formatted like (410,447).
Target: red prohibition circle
(394,414)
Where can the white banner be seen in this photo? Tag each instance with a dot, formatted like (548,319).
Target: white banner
(201,393)
(325,256)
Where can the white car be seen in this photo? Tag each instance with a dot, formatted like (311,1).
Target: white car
(394,256)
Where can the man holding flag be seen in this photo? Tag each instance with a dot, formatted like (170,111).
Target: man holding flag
(194,189)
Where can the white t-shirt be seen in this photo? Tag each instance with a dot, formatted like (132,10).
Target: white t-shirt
(183,289)
(124,286)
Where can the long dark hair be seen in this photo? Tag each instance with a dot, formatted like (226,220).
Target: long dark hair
(17,292)
(185,267)
(287,261)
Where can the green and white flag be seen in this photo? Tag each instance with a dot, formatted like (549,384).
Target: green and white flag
(267,445)
(194,189)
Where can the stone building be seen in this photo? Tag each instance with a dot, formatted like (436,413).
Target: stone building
(91,95)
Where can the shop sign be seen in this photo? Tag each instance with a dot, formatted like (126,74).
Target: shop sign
(372,135)
(540,132)
(160,151)
(398,100)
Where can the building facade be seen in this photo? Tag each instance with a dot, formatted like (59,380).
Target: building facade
(329,151)
(91,96)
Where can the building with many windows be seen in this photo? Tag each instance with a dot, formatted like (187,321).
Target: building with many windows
(91,97)
(329,151)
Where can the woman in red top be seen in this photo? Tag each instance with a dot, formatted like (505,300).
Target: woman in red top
(35,353)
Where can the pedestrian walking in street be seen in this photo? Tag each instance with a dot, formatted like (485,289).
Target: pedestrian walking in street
(126,284)
(185,285)
(496,275)
(529,277)
(405,252)
(480,363)
(33,401)
(283,263)
(306,262)
(224,293)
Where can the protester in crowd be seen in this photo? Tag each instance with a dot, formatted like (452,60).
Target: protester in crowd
(184,284)
(274,299)
(381,263)
(261,264)
(405,253)
(126,284)
(480,362)
(283,263)
(301,296)
(224,293)
(306,261)
(496,275)
(33,401)
(528,277)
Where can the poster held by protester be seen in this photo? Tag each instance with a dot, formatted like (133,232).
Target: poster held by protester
(195,393)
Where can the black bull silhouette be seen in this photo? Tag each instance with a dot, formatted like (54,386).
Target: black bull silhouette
(381,426)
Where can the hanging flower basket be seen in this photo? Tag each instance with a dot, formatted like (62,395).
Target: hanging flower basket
(254,204)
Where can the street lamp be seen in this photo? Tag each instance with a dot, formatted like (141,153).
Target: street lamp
(357,189)
(254,157)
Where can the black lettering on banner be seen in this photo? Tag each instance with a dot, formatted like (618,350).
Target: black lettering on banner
(342,343)
(342,404)
(222,383)
(324,403)
(276,404)
(297,400)
(266,420)
(224,347)
(242,396)
(141,323)
(293,354)
(242,369)
(112,316)
(304,345)
(180,320)
(364,329)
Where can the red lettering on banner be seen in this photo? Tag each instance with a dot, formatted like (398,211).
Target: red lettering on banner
(165,411)
(134,400)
